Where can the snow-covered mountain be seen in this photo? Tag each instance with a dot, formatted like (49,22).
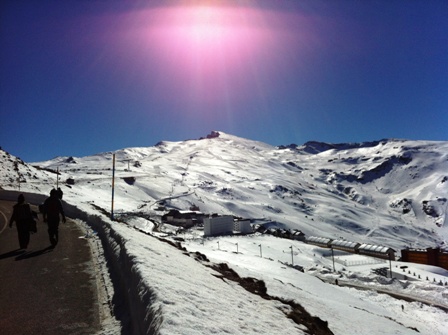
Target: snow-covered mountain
(388,192)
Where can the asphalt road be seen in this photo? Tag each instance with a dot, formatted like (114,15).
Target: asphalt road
(43,290)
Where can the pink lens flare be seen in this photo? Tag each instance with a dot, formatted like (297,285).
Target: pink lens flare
(209,54)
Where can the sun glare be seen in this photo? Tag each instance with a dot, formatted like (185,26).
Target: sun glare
(206,28)
(207,53)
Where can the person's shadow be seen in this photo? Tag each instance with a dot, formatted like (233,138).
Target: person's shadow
(13,253)
(34,253)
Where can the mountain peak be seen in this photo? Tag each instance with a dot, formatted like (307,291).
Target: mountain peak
(213,134)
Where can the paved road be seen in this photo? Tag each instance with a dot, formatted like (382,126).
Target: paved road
(45,291)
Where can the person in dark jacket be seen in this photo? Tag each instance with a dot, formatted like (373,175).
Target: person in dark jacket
(60,193)
(52,210)
(22,215)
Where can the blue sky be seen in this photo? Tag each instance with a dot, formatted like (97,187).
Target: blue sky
(83,77)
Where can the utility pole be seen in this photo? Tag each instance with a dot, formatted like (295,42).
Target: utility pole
(332,256)
(113,188)
(390,264)
(292,256)
(261,254)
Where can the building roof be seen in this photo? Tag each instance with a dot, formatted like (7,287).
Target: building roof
(375,248)
(321,240)
(190,212)
(345,244)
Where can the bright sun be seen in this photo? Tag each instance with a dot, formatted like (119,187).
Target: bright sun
(203,26)
(207,52)
(211,29)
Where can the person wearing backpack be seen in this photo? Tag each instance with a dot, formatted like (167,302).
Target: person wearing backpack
(22,215)
(52,210)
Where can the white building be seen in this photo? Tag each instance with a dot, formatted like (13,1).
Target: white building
(243,227)
(219,225)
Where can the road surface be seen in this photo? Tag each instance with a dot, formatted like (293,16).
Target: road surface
(43,290)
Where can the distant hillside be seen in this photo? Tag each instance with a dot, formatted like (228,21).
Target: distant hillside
(389,192)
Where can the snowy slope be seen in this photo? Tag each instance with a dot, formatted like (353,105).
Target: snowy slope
(192,298)
(390,192)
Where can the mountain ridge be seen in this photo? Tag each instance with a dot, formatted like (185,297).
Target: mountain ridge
(389,192)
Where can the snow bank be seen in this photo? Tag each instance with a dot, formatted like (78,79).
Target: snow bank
(133,300)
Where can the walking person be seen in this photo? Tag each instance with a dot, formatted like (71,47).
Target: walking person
(22,215)
(52,210)
(60,193)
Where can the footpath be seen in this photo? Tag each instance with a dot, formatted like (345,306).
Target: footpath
(44,290)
